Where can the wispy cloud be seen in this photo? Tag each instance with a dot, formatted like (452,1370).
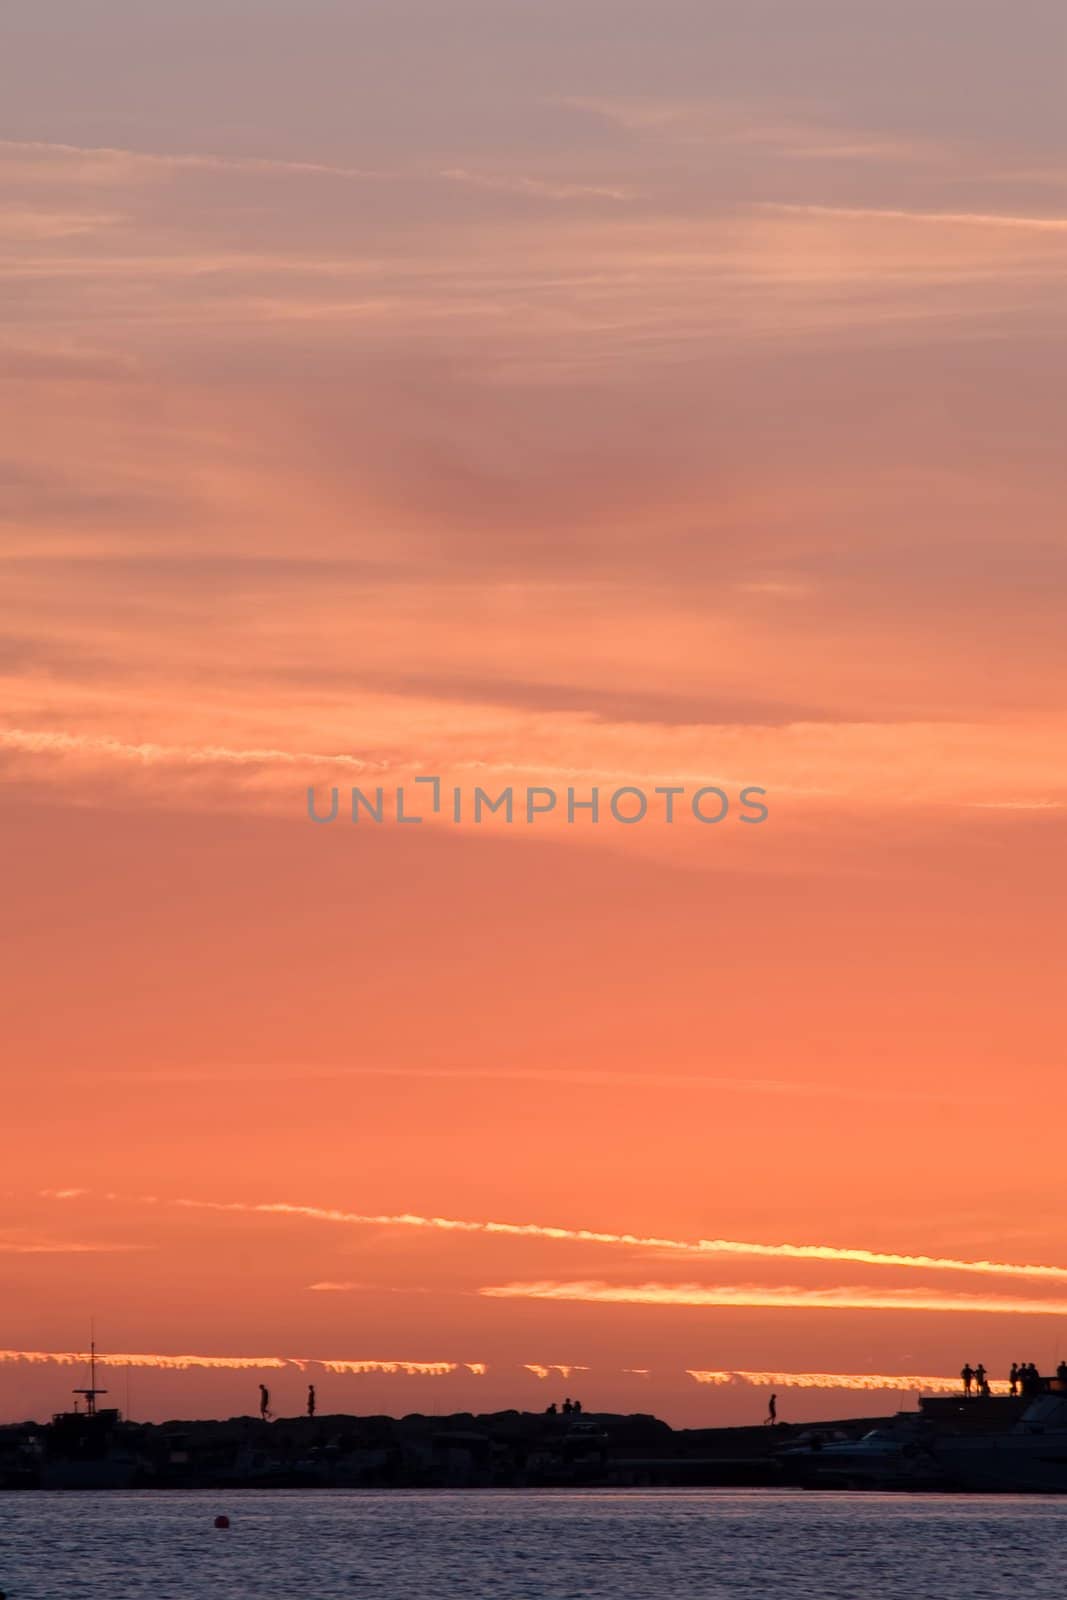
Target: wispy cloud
(183,1363)
(65,1247)
(801,765)
(761,126)
(178,1363)
(632,1241)
(1017,805)
(757,1296)
(537,188)
(860,1382)
(44,742)
(346,1286)
(113,163)
(609,1078)
(545,1371)
(408,1369)
(975,219)
(44,225)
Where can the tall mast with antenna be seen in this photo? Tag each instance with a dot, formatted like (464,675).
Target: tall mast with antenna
(92,1391)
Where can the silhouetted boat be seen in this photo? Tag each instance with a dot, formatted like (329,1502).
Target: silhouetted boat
(85,1449)
(897,1454)
(1031,1458)
(993,1444)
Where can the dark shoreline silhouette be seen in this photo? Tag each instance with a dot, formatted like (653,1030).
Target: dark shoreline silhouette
(507,1449)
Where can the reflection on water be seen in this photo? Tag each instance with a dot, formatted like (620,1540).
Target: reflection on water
(625,1545)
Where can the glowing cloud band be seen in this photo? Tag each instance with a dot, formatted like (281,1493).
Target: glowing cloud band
(166,1363)
(865,1382)
(786,1298)
(692,1247)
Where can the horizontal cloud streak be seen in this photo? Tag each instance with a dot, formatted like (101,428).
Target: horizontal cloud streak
(409,1369)
(43,742)
(112,163)
(860,1382)
(561,1369)
(538,188)
(980,219)
(698,1247)
(183,1363)
(786,1298)
(53,1247)
(805,767)
(849,1381)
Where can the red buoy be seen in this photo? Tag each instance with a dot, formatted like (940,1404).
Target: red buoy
(222,1522)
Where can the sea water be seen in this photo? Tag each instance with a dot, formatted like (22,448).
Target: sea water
(527,1545)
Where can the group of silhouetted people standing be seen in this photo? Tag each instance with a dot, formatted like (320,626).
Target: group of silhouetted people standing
(1024,1379)
(975,1380)
(569,1408)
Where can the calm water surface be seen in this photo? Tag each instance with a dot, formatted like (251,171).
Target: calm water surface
(530,1546)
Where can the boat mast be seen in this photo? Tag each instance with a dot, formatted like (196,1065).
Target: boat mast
(91,1393)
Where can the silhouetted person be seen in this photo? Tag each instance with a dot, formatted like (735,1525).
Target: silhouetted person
(311,1399)
(577,1408)
(772,1410)
(1013,1379)
(567,1407)
(980,1380)
(968,1377)
(551,1411)
(1061,1372)
(264,1402)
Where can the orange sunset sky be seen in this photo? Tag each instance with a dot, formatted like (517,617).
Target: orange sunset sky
(567,393)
